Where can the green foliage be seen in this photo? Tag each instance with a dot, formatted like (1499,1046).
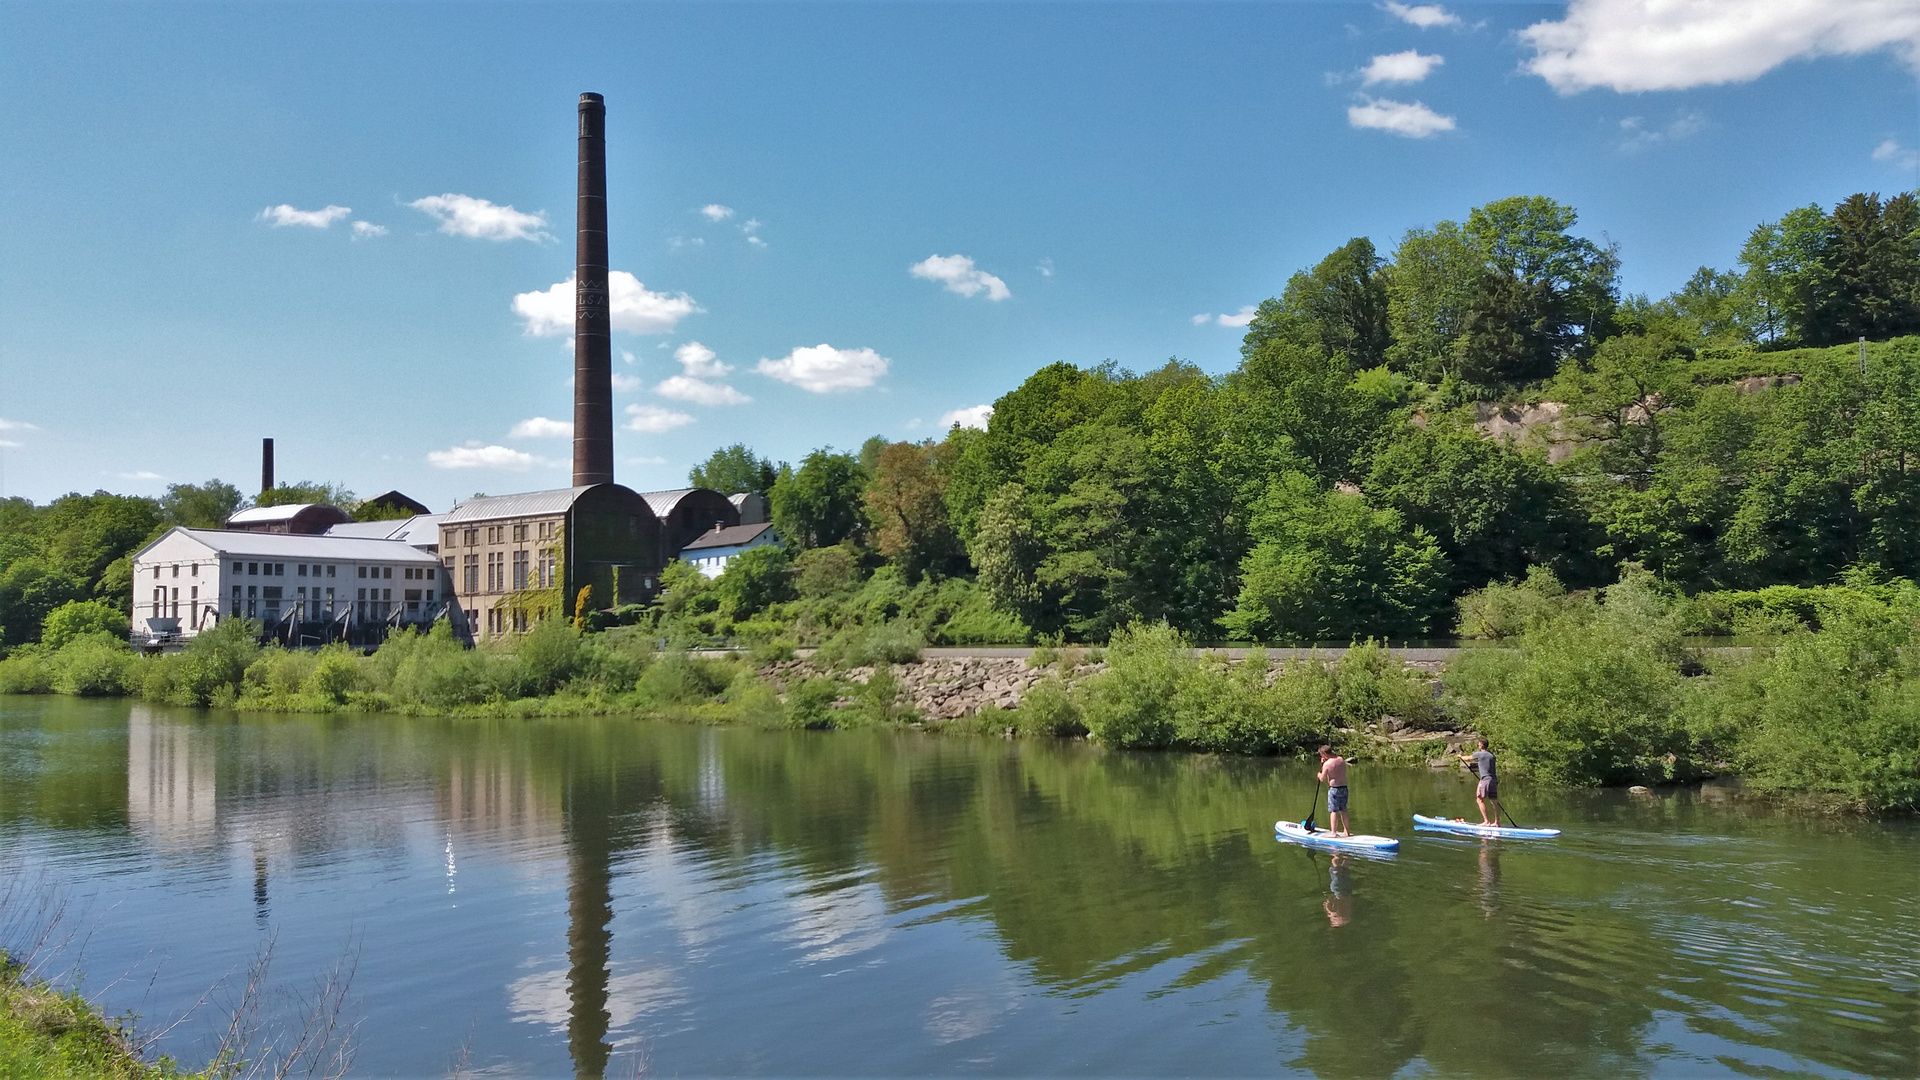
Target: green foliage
(1049,708)
(50,1034)
(335,675)
(92,665)
(306,491)
(755,580)
(77,617)
(74,548)
(677,679)
(549,655)
(1327,566)
(895,642)
(810,703)
(1590,697)
(1132,704)
(209,671)
(200,506)
(819,504)
(1370,684)
(734,469)
(1506,609)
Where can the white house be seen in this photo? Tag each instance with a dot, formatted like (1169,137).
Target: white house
(713,549)
(188,579)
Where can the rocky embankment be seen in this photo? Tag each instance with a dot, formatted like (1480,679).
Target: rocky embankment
(952,687)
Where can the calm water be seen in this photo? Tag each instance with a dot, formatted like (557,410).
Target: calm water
(588,896)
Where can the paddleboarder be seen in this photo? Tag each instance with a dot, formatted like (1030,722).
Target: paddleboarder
(1488,791)
(1333,773)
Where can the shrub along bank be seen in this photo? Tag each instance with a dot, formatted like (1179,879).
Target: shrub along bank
(1594,688)
(56,1034)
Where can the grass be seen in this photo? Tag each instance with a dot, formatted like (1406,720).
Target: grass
(52,1033)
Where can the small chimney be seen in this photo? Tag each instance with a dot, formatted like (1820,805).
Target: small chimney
(266,466)
(592,318)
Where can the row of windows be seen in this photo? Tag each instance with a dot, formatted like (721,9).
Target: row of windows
(497,534)
(499,579)
(270,569)
(193,568)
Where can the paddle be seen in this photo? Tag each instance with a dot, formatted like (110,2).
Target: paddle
(1502,807)
(1307,824)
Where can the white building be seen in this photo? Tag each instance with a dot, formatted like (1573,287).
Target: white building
(713,550)
(188,579)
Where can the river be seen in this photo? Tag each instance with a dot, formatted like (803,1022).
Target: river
(560,898)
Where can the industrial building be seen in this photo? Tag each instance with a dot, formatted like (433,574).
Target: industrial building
(490,565)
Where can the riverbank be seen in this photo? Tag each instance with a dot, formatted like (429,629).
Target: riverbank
(1588,691)
(57,1034)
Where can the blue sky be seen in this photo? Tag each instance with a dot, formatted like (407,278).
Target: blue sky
(1075,182)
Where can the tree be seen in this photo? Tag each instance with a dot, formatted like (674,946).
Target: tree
(734,469)
(1509,335)
(200,506)
(1869,285)
(1782,261)
(1329,567)
(1494,510)
(820,503)
(754,580)
(1574,279)
(1006,552)
(306,491)
(1342,302)
(77,617)
(906,503)
(1305,397)
(1431,285)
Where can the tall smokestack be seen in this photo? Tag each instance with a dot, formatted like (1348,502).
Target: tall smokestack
(266,466)
(592,326)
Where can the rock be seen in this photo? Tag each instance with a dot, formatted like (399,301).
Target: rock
(1640,789)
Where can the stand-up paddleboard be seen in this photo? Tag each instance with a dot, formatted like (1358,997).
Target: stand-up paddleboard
(1292,830)
(1440,824)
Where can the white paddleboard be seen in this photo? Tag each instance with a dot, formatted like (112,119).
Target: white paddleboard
(1291,830)
(1426,821)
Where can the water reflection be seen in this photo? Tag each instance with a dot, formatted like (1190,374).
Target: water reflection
(754,902)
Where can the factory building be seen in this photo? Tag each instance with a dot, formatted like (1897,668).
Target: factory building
(687,513)
(304,590)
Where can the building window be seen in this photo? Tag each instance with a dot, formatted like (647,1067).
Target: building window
(429,596)
(387,572)
(471,573)
(195,571)
(253,569)
(329,571)
(431,569)
(547,566)
(300,570)
(519,534)
(176,569)
(238,567)
(496,572)
(520,569)
(473,537)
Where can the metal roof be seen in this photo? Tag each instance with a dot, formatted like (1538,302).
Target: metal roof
(255,515)
(663,502)
(301,546)
(526,504)
(731,536)
(419,530)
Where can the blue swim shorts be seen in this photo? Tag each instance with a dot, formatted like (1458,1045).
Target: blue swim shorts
(1337,800)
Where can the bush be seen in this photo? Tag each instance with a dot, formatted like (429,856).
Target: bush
(549,655)
(1132,703)
(209,671)
(25,672)
(434,670)
(1370,683)
(679,679)
(335,674)
(1832,717)
(1590,699)
(277,676)
(95,664)
(810,703)
(78,617)
(882,643)
(879,698)
(1049,708)
(1238,709)
(1504,610)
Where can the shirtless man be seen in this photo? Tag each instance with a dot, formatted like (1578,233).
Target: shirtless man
(1333,773)
(1488,790)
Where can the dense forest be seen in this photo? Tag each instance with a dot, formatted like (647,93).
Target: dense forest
(1401,431)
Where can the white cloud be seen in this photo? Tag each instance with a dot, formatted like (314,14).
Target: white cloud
(700,362)
(141,475)
(653,419)
(1635,45)
(1242,317)
(973,416)
(1415,120)
(700,391)
(1401,67)
(283,215)
(715,212)
(645,460)
(1636,136)
(464,215)
(9,444)
(539,427)
(625,384)
(1045,268)
(958,275)
(823,369)
(475,456)
(627,356)
(1892,151)
(751,227)
(635,310)
(364,229)
(17,425)
(1424,16)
